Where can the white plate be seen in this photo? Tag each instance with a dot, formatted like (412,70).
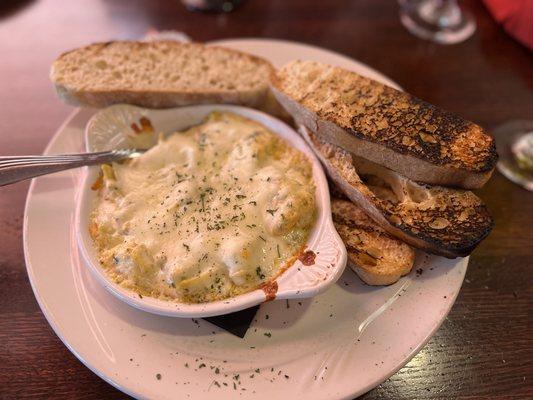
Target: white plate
(108,129)
(337,345)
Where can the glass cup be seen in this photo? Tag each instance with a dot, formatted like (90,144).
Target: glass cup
(514,141)
(441,21)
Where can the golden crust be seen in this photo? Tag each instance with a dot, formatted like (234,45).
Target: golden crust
(377,257)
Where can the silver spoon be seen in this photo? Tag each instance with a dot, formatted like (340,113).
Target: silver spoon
(17,168)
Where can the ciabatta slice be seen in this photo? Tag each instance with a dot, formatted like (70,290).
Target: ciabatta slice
(438,220)
(385,125)
(160,74)
(377,257)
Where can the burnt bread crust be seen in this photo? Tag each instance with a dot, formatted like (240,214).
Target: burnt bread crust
(387,126)
(443,221)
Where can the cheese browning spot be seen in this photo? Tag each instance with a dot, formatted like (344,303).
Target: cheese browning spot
(145,126)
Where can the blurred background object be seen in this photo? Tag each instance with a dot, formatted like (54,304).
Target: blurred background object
(515,148)
(515,137)
(216,6)
(441,21)
(516,17)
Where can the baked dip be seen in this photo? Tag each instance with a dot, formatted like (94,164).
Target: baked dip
(208,213)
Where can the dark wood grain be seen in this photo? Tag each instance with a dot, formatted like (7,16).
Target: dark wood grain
(483,349)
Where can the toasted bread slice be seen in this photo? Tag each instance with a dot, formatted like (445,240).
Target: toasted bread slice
(161,74)
(386,126)
(439,220)
(377,257)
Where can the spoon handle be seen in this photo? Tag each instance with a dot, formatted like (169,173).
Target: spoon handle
(17,168)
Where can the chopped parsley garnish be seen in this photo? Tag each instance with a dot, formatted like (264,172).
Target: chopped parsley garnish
(259,273)
(202,199)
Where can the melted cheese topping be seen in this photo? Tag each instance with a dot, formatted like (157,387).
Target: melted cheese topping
(205,214)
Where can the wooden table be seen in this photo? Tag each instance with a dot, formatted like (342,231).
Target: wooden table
(483,349)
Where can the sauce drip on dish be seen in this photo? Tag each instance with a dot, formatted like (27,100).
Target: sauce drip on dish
(270,289)
(307,258)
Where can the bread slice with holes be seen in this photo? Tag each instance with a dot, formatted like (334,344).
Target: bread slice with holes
(385,125)
(377,257)
(439,220)
(161,74)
